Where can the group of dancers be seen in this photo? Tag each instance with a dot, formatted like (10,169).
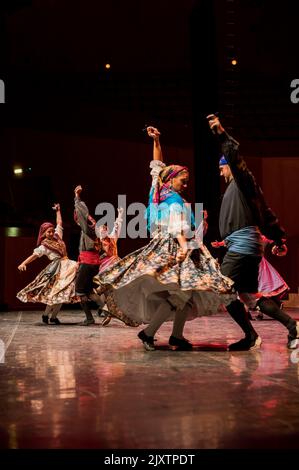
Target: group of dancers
(174,277)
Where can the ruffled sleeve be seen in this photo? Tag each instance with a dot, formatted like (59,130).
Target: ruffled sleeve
(116,228)
(40,251)
(59,231)
(156,167)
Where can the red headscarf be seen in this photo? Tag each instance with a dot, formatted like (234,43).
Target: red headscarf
(55,244)
(43,228)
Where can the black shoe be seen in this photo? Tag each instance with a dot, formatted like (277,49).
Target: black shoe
(180,344)
(246,344)
(55,321)
(45,319)
(148,341)
(293,337)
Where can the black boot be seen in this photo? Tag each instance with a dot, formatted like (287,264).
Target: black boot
(237,311)
(270,308)
(89,318)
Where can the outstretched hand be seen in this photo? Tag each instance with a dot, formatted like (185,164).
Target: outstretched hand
(279,250)
(120,211)
(78,190)
(215,124)
(153,132)
(22,267)
(217,244)
(56,207)
(181,255)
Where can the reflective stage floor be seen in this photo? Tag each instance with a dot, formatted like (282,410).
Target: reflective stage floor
(71,386)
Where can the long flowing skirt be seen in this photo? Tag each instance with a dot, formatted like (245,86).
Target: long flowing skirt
(108,262)
(138,283)
(53,285)
(116,312)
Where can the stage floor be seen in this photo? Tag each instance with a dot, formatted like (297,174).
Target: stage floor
(71,386)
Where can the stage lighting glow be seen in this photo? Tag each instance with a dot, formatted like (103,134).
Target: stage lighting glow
(12,232)
(18,171)
(234,62)
(107,66)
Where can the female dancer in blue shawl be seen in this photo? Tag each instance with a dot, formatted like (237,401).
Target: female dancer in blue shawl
(169,279)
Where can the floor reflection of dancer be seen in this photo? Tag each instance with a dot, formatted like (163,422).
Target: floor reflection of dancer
(108,249)
(166,280)
(55,284)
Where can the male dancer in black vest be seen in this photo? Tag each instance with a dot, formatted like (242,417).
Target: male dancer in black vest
(89,259)
(244,216)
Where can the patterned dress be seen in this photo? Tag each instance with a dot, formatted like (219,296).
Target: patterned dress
(108,258)
(54,284)
(108,247)
(139,282)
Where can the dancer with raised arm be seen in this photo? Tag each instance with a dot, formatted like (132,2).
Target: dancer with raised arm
(244,217)
(92,256)
(108,250)
(55,284)
(169,279)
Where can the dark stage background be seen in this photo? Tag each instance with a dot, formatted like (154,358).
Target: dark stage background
(69,120)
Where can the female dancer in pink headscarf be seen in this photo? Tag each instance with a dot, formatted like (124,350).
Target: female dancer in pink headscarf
(174,277)
(54,285)
(108,250)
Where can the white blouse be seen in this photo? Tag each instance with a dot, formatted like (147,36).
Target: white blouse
(41,250)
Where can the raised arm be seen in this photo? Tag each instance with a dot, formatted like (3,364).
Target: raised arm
(56,208)
(157,150)
(267,219)
(117,225)
(229,146)
(82,213)
(23,265)
(59,227)
(230,149)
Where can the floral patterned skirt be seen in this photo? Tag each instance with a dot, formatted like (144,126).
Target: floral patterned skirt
(116,312)
(53,285)
(108,262)
(138,283)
